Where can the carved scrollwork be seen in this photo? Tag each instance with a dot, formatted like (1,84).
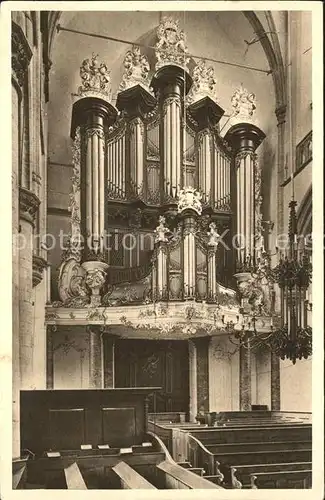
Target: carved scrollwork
(243,103)
(204,83)
(21,54)
(95,79)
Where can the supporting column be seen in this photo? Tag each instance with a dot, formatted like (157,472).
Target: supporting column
(192,381)
(275,382)
(95,357)
(202,373)
(281,117)
(50,329)
(109,359)
(92,116)
(171,83)
(28,203)
(245,382)
(20,56)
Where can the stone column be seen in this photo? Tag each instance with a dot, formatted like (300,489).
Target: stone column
(136,101)
(245,138)
(245,382)
(50,329)
(193,381)
(275,382)
(95,357)
(92,116)
(281,117)
(20,56)
(109,359)
(202,373)
(28,204)
(171,83)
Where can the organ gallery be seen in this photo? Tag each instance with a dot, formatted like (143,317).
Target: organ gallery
(166,300)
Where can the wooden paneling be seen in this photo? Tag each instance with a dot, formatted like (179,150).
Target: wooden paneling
(155,363)
(66,419)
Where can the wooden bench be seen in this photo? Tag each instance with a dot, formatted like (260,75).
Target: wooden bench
(240,474)
(176,477)
(299,432)
(260,446)
(131,479)
(19,473)
(74,478)
(295,479)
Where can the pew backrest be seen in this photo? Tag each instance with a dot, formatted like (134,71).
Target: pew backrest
(295,479)
(240,474)
(177,477)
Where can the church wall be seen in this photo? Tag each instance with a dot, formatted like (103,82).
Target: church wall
(296,385)
(71,358)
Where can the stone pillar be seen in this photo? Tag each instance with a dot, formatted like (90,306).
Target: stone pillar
(281,117)
(50,329)
(136,101)
(92,116)
(28,204)
(245,381)
(109,360)
(171,83)
(20,57)
(245,138)
(207,114)
(192,381)
(275,382)
(95,357)
(202,373)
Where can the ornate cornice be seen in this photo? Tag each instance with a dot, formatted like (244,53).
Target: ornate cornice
(21,54)
(28,204)
(39,264)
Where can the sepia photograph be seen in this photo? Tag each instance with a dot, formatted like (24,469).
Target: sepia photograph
(162,246)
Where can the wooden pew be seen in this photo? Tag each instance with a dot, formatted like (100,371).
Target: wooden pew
(74,478)
(295,432)
(131,479)
(240,474)
(19,474)
(176,477)
(260,446)
(294,479)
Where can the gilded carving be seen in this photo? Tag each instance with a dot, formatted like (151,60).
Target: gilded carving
(136,70)
(204,83)
(171,47)
(243,104)
(95,79)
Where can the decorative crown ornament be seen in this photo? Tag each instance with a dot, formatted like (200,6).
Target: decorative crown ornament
(161,230)
(136,70)
(95,79)
(171,47)
(243,104)
(189,199)
(204,83)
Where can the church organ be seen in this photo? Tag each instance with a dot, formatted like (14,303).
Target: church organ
(158,198)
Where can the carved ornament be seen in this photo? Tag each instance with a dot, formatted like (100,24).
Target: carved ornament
(189,199)
(136,70)
(21,54)
(204,83)
(171,47)
(243,104)
(95,79)
(28,204)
